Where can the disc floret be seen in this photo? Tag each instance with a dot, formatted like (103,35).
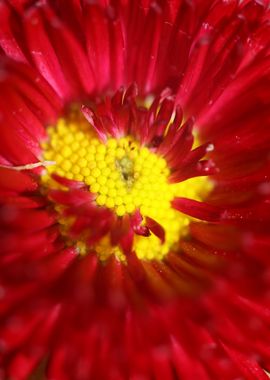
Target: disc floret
(127,176)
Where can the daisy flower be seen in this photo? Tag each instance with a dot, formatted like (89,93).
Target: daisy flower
(134,189)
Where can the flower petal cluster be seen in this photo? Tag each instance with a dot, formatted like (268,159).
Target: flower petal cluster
(203,311)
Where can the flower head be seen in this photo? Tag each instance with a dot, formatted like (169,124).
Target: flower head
(134,189)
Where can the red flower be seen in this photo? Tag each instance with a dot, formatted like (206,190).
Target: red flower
(134,189)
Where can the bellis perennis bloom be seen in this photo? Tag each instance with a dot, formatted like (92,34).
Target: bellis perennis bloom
(134,189)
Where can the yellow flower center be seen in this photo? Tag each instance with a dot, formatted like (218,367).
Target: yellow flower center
(123,176)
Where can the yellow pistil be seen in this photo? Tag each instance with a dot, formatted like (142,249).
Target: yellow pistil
(124,176)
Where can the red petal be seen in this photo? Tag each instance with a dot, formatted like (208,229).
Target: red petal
(15,181)
(156,228)
(199,210)
(136,223)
